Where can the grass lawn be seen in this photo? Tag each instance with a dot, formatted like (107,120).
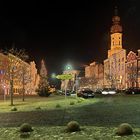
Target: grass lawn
(98,117)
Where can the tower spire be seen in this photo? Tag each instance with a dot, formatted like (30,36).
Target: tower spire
(116,11)
(116,27)
(116,34)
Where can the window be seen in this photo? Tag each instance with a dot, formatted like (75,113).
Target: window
(122,67)
(119,66)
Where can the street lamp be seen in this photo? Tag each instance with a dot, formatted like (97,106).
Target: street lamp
(53,75)
(68,67)
(67,70)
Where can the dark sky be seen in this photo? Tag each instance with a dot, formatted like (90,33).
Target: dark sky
(69,31)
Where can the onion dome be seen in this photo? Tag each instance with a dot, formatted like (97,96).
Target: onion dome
(116,27)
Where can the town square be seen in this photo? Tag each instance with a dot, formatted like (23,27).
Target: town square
(70,70)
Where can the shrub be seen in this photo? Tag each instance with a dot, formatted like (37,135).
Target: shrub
(73,126)
(58,106)
(72,103)
(38,108)
(13,108)
(79,101)
(25,127)
(25,135)
(44,92)
(124,129)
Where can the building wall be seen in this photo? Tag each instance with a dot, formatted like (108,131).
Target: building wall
(21,74)
(133,70)
(138,68)
(117,68)
(3,77)
(21,70)
(95,72)
(87,71)
(100,76)
(106,73)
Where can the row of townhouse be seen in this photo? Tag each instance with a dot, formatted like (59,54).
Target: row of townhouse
(22,73)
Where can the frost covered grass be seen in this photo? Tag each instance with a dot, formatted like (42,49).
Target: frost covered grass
(98,117)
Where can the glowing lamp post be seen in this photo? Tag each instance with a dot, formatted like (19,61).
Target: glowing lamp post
(53,75)
(68,67)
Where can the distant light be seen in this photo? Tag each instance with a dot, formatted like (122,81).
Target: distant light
(68,67)
(53,75)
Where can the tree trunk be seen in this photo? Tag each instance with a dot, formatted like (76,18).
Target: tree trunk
(23,88)
(23,95)
(11,92)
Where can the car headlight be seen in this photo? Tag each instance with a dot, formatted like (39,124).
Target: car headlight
(104,92)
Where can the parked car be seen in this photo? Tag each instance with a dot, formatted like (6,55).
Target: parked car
(86,93)
(59,92)
(98,91)
(69,93)
(111,91)
(133,90)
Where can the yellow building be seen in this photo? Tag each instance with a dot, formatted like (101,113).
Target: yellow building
(22,73)
(114,65)
(4,87)
(95,73)
(87,71)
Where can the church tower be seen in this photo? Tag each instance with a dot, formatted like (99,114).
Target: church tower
(116,34)
(114,65)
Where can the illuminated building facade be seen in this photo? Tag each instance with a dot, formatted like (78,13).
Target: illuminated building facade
(133,70)
(4,87)
(114,65)
(23,73)
(95,72)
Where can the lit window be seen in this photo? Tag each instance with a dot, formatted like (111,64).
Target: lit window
(122,67)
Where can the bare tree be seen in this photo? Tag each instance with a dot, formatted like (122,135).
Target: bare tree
(83,82)
(15,58)
(24,77)
(88,82)
(93,81)
(112,80)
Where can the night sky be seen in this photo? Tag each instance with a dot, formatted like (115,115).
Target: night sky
(76,32)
